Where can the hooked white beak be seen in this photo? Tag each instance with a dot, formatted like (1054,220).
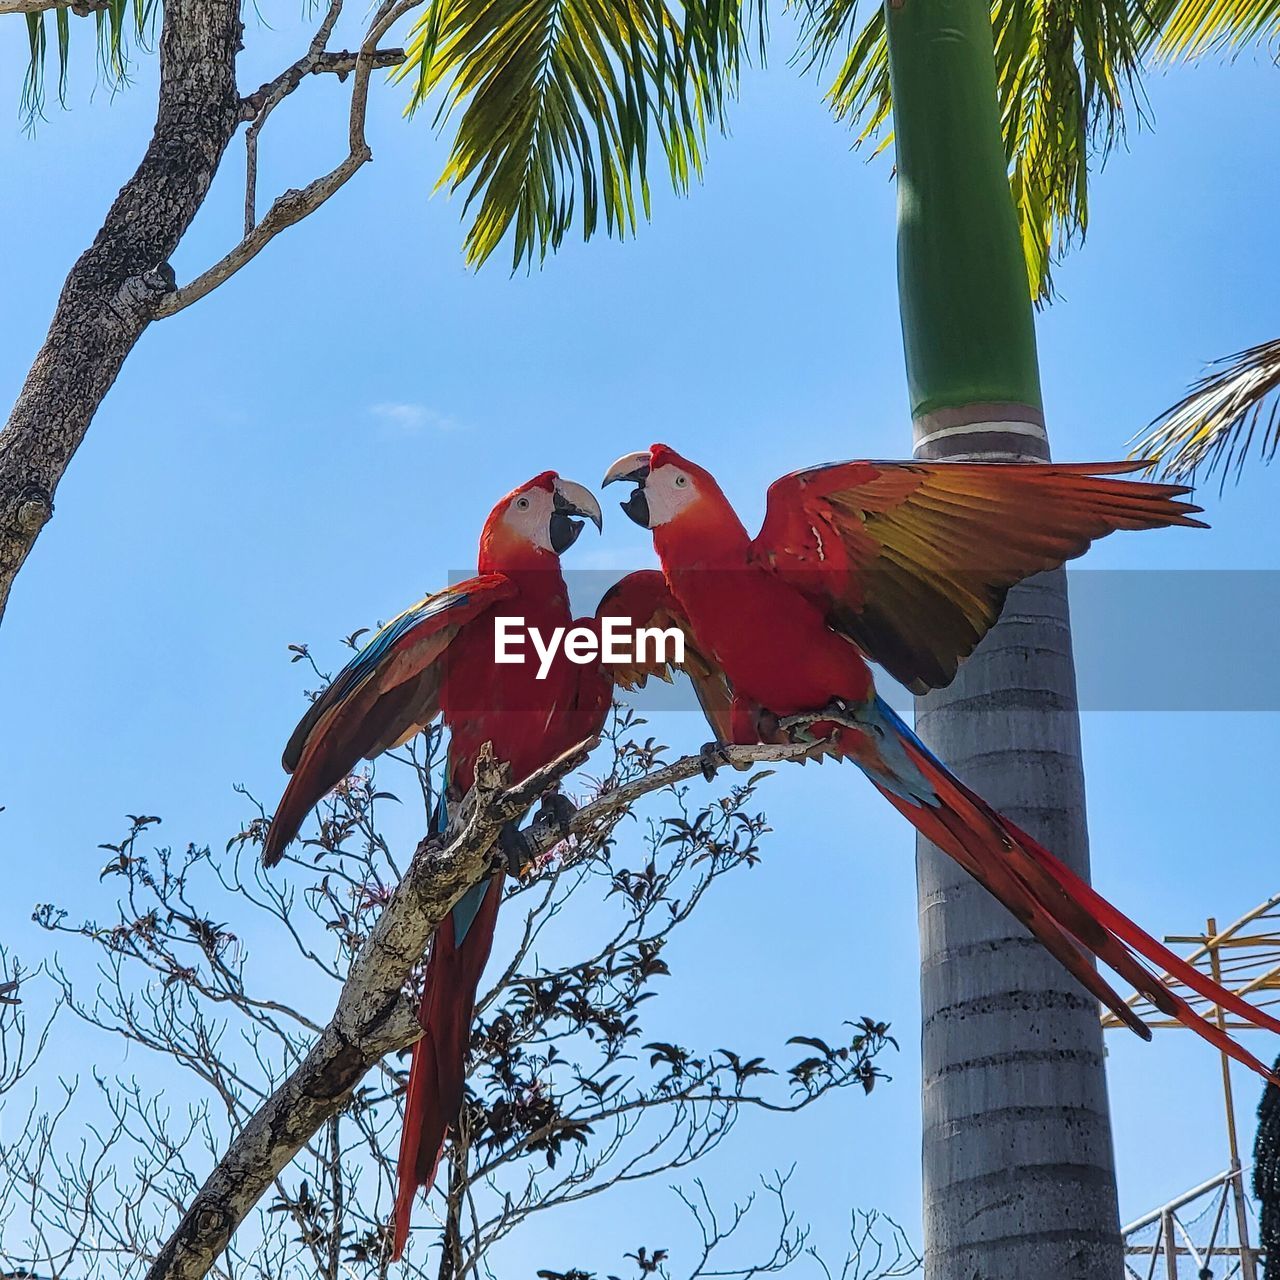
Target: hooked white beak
(572,499)
(631,466)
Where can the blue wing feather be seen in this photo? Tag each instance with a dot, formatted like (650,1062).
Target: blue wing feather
(432,612)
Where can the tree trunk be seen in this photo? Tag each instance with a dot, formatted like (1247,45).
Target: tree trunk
(109,297)
(1019,1178)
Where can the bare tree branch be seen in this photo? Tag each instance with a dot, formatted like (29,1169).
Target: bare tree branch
(372,1017)
(296,204)
(80,7)
(108,298)
(124,280)
(339,62)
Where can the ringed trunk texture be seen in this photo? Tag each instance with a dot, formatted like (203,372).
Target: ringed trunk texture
(1019,1177)
(109,297)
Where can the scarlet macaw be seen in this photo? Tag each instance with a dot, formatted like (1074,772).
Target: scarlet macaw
(438,657)
(907,564)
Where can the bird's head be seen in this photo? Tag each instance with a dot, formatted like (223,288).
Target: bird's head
(673,497)
(535,523)
(668,487)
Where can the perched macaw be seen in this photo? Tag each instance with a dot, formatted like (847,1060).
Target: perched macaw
(438,657)
(907,564)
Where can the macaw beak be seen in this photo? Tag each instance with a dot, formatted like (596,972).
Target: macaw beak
(568,500)
(635,468)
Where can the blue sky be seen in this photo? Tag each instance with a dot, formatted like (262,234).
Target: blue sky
(317,443)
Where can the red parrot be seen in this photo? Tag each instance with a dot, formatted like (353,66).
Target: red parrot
(907,564)
(439,657)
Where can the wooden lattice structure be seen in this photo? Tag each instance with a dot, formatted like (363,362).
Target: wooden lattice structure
(1245,958)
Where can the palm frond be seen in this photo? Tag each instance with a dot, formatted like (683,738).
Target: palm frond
(1232,410)
(557,103)
(118,25)
(1192,28)
(1066,71)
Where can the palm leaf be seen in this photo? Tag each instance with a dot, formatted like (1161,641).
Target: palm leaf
(1230,411)
(1236,406)
(1066,70)
(557,103)
(1191,28)
(118,24)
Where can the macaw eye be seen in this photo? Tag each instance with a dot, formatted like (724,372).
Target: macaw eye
(522,503)
(681,481)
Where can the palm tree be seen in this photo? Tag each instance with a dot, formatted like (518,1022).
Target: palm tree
(1019,1177)
(997,109)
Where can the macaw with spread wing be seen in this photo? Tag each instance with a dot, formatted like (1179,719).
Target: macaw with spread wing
(438,658)
(907,564)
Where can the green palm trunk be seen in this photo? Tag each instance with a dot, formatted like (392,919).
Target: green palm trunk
(1019,1177)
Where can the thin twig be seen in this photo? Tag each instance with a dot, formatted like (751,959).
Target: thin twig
(296,204)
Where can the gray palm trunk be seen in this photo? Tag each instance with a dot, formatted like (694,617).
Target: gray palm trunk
(1019,1180)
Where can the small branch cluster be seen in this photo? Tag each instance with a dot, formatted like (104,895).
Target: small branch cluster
(295,204)
(299,1113)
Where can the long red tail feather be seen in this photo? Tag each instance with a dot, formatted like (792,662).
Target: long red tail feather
(1067,916)
(437,1074)
(1113,919)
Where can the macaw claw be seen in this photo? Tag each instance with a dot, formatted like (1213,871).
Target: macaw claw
(855,715)
(838,712)
(516,848)
(713,756)
(556,810)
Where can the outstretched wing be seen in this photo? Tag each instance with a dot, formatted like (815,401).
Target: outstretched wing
(913,560)
(643,599)
(388,692)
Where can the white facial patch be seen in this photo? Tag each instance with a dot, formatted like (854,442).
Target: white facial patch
(529,515)
(668,491)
